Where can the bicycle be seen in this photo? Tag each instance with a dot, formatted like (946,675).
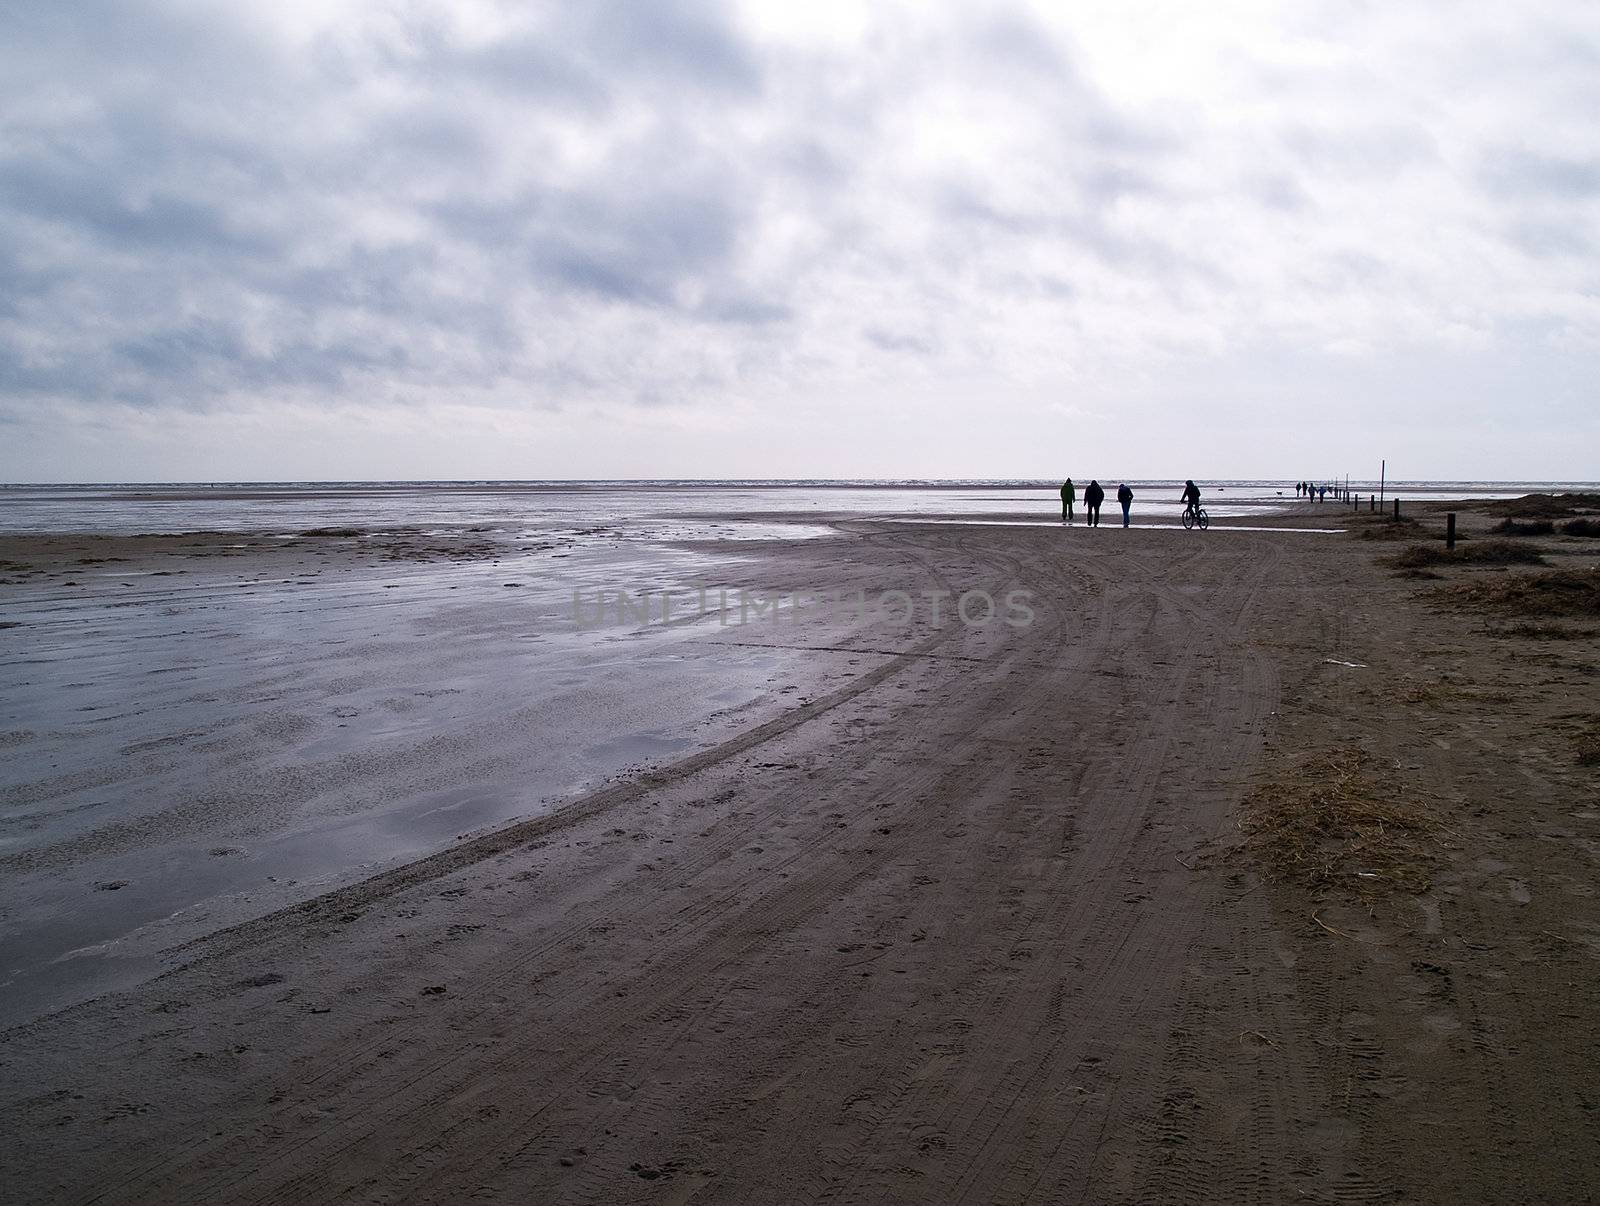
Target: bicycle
(1196,515)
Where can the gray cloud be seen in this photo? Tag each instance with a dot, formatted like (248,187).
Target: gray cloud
(899,341)
(691,208)
(1521,173)
(84,201)
(633,246)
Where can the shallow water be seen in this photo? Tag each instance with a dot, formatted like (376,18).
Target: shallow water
(1110,521)
(654,511)
(183,754)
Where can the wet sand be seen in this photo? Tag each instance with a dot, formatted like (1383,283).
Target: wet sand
(200,728)
(944,913)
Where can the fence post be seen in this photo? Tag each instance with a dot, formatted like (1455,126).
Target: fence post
(1450,530)
(1397,510)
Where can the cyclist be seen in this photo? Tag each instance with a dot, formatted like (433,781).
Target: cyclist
(1191,496)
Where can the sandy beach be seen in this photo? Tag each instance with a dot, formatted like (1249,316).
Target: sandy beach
(552,649)
(852,909)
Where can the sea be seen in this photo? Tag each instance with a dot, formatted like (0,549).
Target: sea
(664,509)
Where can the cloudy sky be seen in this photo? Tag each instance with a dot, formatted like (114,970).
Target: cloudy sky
(646,239)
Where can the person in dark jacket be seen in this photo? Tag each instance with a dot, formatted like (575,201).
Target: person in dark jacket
(1092,498)
(1069,495)
(1125,497)
(1191,495)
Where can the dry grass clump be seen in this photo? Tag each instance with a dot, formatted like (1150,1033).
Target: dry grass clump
(1545,506)
(1444,694)
(1404,530)
(1557,593)
(1379,525)
(1581,527)
(1493,552)
(1540,632)
(1328,821)
(1588,745)
(1528,527)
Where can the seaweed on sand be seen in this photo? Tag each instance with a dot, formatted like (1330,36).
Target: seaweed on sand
(1493,552)
(1528,527)
(1588,745)
(1366,525)
(1329,821)
(1554,593)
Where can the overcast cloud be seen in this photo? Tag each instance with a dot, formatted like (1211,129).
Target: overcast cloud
(677,239)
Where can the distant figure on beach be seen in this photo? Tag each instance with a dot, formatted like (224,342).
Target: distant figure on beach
(1125,497)
(1069,495)
(1322,494)
(1092,498)
(1299,489)
(1191,495)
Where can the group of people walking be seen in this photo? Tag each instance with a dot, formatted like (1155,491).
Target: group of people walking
(1311,490)
(1094,495)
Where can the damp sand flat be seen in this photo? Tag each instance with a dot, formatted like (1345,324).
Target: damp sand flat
(969,919)
(196,731)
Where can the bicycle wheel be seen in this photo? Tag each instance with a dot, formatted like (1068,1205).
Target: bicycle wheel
(1188,517)
(1205,520)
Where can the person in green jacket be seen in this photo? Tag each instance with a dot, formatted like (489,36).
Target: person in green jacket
(1069,495)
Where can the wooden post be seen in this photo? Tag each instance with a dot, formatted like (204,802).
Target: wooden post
(1372,502)
(1397,510)
(1450,530)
